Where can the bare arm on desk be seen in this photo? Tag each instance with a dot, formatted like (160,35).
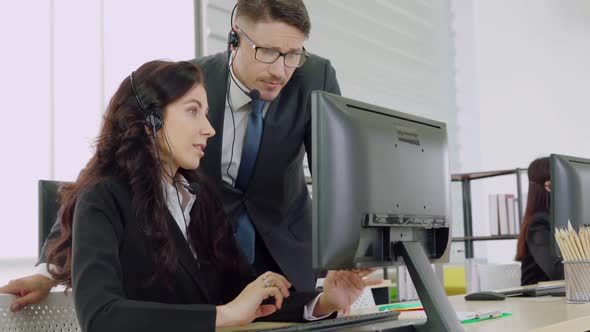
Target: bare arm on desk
(34,288)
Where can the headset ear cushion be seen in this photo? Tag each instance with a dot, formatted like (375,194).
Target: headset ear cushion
(155,121)
(233,39)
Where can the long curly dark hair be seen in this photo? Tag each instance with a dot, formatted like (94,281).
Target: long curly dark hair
(539,172)
(125,149)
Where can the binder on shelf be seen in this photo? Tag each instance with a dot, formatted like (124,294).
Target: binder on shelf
(504,218)
(494,225)
(503,215)
(511,216)
(516,217)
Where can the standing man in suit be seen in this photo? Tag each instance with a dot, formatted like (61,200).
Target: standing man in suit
(272,211)
(259,94)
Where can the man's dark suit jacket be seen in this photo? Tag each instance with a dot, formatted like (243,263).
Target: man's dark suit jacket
(539,264)
(112,261)
(277,198)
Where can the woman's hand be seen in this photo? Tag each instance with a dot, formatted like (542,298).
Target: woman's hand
(29,290)
(248,305)
(341,289)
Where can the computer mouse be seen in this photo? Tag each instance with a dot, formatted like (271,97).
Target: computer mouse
(485,296)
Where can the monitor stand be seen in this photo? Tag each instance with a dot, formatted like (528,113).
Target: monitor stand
(440,314)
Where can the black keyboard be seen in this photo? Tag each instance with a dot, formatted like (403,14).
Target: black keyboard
(536,290)
(333,324)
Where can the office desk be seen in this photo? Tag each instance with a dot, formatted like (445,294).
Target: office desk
(541,314)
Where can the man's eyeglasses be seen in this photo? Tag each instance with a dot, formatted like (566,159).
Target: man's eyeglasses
(269,55)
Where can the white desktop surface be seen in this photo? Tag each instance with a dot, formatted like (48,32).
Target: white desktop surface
(528,313)
(541,314)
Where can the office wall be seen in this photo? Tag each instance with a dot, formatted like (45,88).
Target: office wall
(26,95)
(61,61)
(523,79)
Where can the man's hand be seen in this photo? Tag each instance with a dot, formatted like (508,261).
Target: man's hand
(29,290)
(341,289)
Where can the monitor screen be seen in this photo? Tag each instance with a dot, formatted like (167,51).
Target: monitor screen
(570,192)
(379,176)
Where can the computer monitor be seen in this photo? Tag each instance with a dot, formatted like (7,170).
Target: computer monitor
(570,193)
(381,187)
(379,176)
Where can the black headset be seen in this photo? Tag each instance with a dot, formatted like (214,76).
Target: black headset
(153,119)
(234,40)
(232,37)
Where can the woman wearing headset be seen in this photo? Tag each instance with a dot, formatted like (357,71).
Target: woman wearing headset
(145,244)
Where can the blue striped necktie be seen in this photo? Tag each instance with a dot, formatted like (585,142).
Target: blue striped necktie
(245,233)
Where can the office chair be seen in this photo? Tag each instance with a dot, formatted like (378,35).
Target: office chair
(48,208)
(56,313)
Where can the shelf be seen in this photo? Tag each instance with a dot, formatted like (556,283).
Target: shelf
(485,238)
(468,176)
(465,179)
(483,175)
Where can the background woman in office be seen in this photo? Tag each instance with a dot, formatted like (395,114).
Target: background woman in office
(149,255)
(539,263)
